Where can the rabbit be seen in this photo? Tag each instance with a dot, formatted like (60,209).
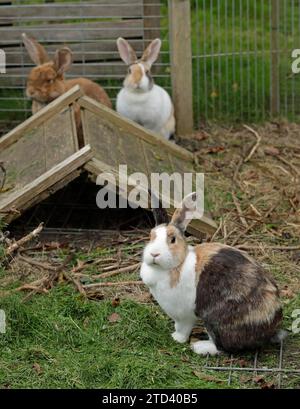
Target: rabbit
(46,81)
(237,300)
(140,99)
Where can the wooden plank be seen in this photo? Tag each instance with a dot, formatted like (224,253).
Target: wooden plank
(82,52)
(34,12)
(75,32)
(49,178)
(41,116)
(37,151)
(43,196)
(134,128)
(151,20)
(181,64)
(95,71)
(146,153)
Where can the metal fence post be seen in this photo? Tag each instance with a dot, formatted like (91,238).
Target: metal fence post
(181,64)
(275,96)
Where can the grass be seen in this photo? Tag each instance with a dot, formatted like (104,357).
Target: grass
(75,346)
(62,341)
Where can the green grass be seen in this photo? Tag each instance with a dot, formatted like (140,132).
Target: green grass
(77,347)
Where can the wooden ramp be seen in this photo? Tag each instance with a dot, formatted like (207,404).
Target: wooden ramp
(42,154)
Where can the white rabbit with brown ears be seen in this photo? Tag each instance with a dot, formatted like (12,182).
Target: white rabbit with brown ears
(237,300)
(140,99)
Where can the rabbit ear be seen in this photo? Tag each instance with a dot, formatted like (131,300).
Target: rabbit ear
(126,52)
(37,52)
(185,213)
(63,60)
(152,51)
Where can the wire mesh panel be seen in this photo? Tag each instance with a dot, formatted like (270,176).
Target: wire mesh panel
(242,58)
(89,28)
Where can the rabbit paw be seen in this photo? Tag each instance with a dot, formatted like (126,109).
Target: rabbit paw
(181,338)
(205,348)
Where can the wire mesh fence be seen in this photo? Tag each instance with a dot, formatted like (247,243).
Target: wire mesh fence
(242,58)
(242,51)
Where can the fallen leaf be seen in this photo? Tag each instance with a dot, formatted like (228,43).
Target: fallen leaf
(116,302)
(268,385)
(263,383)
(258,379)
(243,363)
(211,149)
(114,317)
(37,368)
(271,150)
(164,351)
(200,136)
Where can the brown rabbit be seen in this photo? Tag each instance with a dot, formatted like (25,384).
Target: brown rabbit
(46,82)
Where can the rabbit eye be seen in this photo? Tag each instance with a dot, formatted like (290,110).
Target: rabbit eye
(173,240)
(129,70)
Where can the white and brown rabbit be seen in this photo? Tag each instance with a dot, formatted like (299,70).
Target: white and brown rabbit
(140,99)
(237,300)
(46,82)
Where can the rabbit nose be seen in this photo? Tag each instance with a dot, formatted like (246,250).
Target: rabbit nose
(154,255)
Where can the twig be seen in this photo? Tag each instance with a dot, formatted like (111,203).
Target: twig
(280,248)
(258,140)
(255,210)
(19,243)
(76,282)
(126,269)
(31,287)
(113,284)
(91,262)
(237,171)
(37,263)
(288,163)
(4,176)
(239,210)
(254,223)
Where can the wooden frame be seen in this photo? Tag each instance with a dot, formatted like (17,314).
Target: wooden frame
(22,199)
(181,64)
(124,126)
(101,127)
(132,127)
